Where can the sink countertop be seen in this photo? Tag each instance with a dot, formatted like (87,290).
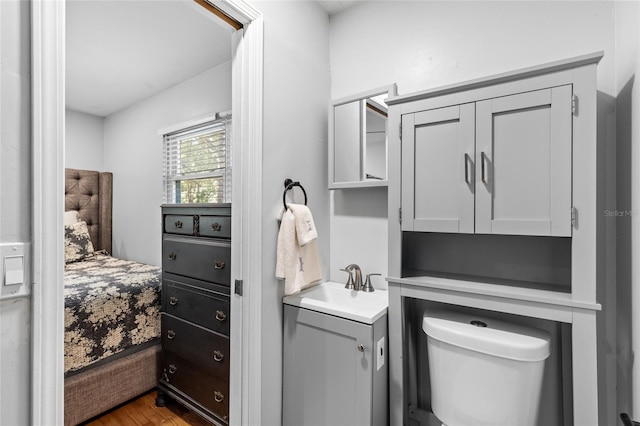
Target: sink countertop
(333,299)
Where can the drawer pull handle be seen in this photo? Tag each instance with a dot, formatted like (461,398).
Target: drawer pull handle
(178,224)
(216,227)
(221,316)
(172,256)
(173,301)
(218,396)
(361,347)
(218,264)
(217,356)
(171,334)
(172,369)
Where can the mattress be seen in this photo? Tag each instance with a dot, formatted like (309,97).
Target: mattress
(111,305)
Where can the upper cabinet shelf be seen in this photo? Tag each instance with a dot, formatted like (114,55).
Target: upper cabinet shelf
(358,139)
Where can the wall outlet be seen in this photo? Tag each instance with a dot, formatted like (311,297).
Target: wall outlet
(380,349)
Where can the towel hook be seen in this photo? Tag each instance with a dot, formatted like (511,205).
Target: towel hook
(289,184)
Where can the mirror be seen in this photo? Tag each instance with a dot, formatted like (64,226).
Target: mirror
(358,139)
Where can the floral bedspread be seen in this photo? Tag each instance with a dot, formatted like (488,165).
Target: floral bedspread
(110,305)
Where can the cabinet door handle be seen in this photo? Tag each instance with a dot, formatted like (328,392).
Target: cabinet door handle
(221,316)
(218,356)
(178,224)
(173,301)
(466,167)
(171,334)
(483,159)
(172,369)
(218,396)
(218,264)
(172,256)
(360,347)
(216,227)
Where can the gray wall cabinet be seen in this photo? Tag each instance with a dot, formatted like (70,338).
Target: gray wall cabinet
(497,183)
(332,375)
(496,166)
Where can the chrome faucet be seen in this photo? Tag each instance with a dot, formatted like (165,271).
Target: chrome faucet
(357,283)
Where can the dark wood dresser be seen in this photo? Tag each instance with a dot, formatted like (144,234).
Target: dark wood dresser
(196,273)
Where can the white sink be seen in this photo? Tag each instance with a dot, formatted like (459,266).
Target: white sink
(333,299)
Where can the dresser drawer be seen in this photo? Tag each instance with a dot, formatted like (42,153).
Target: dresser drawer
(208,260)
(215,226)
(179,224)
(196,344)
(205,389)
(208,309)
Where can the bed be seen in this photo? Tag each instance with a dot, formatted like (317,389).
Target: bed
(112,349)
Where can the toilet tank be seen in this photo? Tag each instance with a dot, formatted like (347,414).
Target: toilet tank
(484,371)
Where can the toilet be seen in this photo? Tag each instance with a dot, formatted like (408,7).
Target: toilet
(484,371)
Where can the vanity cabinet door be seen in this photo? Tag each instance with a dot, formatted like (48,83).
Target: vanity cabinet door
(329,371)
(523,163)
(437,170)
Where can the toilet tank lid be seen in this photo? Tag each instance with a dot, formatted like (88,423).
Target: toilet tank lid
(489,336)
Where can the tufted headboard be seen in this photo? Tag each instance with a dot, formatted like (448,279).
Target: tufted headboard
(90,193)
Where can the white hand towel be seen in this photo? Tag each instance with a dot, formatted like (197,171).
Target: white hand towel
(299,266)
(287,245)
(305,226)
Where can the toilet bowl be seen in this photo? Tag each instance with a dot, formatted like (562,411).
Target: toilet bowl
(484,371)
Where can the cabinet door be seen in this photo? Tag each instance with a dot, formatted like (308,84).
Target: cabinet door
(523,163)
(347,142)
(327,380)
(437,170)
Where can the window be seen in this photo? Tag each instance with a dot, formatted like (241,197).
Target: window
(197,164)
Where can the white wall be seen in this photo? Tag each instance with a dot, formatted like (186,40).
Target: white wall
(421,45)
(15,205)
(628,199)
(84,141)
(133,153)
(296,95)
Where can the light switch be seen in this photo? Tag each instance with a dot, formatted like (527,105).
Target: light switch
(13,270)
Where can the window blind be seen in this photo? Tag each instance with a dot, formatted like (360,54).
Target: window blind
(197,163)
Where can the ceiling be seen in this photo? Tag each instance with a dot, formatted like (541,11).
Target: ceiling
(335,6)
(121,52)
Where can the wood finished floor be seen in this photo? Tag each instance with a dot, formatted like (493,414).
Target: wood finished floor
(143,412)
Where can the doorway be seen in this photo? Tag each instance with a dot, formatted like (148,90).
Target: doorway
(48,69)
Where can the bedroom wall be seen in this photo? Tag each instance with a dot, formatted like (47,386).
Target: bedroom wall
(296,95)
(133,153)
(15,208)
(421,45)
(84,141)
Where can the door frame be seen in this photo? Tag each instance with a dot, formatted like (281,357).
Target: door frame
(48,129)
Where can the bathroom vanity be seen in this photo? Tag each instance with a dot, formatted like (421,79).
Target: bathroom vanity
(335,357)
(493,208)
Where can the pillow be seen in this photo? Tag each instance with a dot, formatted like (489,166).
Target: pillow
(71,217)
(77,242)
